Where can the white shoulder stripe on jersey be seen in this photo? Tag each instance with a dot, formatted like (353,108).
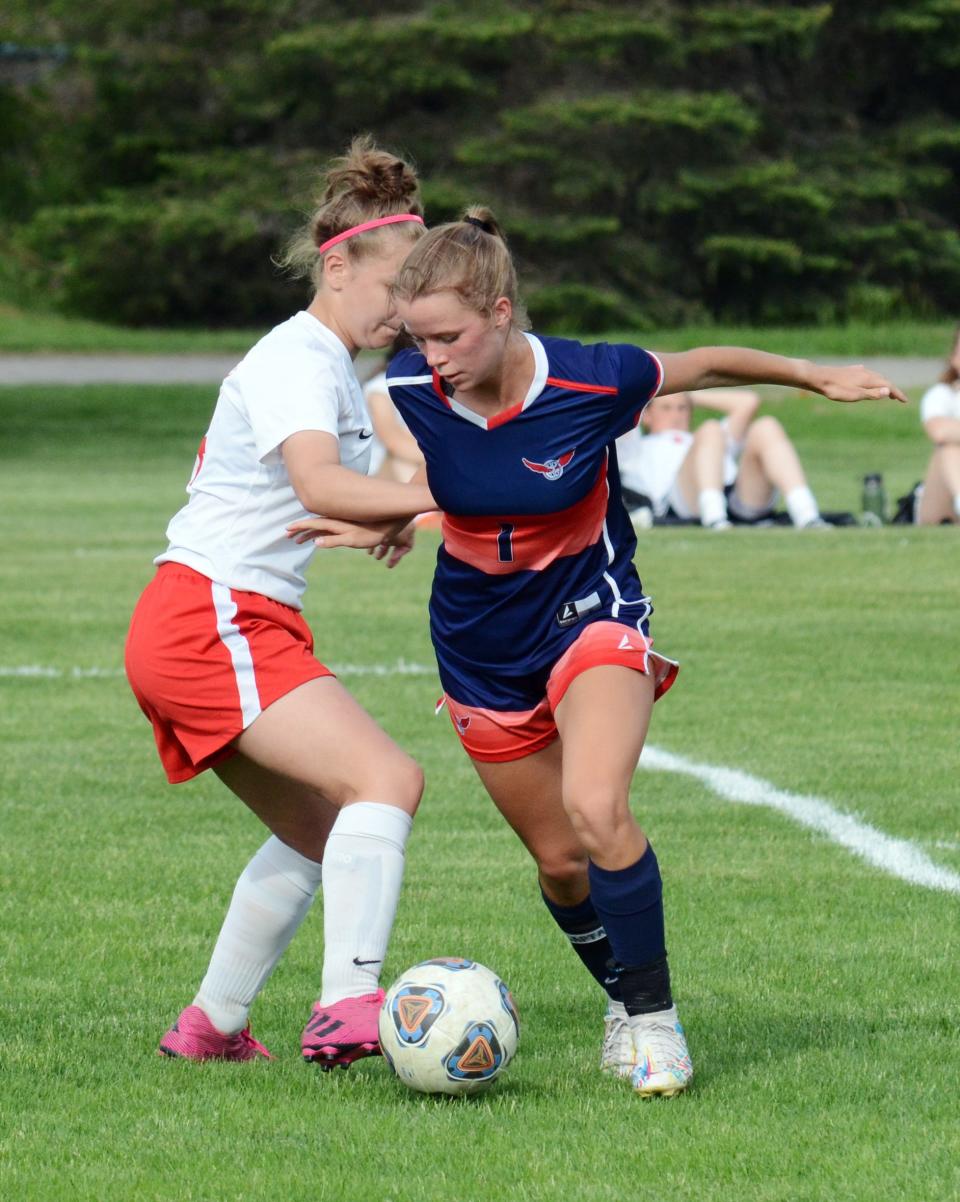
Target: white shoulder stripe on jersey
(239,648)
(541,369)
(391,380)
(656,391)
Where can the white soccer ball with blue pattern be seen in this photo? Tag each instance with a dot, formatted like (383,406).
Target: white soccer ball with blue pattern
(449,1026)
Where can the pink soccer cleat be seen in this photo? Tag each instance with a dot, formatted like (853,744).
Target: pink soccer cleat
(337,1035)
(194,1037)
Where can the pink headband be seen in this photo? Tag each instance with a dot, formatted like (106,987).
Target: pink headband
(367,225)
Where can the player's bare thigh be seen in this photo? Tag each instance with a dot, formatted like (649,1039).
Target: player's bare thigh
(321,737)
(603,721)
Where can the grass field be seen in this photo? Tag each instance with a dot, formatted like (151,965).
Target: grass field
(819,991)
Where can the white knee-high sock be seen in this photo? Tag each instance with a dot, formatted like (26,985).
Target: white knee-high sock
(362,874)
(270,901)
(713,507)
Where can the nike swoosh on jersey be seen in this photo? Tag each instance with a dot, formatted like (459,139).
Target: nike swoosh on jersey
(365,434)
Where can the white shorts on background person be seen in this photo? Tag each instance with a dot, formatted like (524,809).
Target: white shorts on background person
(651,463)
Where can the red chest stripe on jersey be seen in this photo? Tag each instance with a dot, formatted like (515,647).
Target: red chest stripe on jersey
(499,418)
(579,386)
(527,542)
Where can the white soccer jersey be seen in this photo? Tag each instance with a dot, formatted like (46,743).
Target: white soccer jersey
(649,463)
(378,452)
(232,529)
(942,400)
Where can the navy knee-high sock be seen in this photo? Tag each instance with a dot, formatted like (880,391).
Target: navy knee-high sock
(589,940)
(629,903)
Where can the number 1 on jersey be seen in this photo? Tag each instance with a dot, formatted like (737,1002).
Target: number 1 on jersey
(505,543)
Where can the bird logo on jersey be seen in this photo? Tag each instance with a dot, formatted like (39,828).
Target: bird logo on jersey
(553,468)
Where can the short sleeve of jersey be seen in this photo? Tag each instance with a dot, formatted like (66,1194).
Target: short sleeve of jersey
(939,401)
(639,376)
(284,400)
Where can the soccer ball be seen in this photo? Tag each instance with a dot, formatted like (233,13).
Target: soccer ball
(449,1026)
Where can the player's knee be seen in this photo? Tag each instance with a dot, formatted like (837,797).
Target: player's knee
(408,785)
(563,871)
(599,815)
(766,429)
(711,431)
(396,781)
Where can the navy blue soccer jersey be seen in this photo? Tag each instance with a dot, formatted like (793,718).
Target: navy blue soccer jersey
(536,541)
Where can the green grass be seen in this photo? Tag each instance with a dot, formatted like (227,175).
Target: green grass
(27,331)
(818,992)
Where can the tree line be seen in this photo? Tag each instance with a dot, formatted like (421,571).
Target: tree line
(654,164)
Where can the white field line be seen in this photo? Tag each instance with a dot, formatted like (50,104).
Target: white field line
(400,667)
(898,857)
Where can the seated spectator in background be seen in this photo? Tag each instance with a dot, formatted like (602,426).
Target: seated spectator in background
(394,453)
(940,414)
(734,466)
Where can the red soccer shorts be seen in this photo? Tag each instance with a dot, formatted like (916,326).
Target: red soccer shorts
(205,660)
(497,736)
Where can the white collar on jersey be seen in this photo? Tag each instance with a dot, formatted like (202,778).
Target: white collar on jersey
(541,370)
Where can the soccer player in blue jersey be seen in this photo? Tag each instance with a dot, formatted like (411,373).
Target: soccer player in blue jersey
(539,620)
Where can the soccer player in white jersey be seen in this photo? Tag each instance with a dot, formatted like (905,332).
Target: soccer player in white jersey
(940,414)
(222,662)
(737,465)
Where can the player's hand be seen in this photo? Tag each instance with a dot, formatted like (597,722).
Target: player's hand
(394,545)
(331,532)
(382,539)
(853,384)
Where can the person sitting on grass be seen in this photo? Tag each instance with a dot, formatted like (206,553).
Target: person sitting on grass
(940,413)
(736,466)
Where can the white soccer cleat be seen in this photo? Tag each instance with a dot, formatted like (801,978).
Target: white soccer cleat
(618,1055)
(663,1067)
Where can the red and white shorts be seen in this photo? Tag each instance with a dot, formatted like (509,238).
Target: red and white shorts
(205,660)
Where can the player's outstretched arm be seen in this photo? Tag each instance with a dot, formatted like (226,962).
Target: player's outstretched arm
(719,366)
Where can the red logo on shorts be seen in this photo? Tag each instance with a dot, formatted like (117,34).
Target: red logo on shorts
(552,469)
(461,723)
